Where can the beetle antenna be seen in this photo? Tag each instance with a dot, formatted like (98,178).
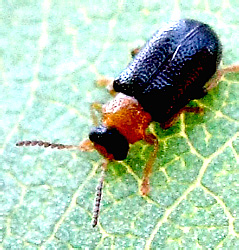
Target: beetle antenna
(98,195)
(43,144)
(85,145)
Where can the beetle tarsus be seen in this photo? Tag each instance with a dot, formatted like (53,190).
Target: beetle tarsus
(145,187)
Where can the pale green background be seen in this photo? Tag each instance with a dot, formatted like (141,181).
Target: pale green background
(51,54)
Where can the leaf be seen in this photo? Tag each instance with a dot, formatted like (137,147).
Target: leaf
(51,54)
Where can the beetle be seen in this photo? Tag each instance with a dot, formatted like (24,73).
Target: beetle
(171,69)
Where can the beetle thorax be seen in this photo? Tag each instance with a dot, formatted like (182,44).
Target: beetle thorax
(126,115)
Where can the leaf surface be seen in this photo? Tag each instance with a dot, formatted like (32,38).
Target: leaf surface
(51,54)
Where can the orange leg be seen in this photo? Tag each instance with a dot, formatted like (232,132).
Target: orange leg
(145,186)
(220,73)
(210,85)
(174,118)
(108,83)
(95,106)
(135,51)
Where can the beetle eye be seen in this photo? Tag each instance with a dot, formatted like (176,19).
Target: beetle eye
(111,139)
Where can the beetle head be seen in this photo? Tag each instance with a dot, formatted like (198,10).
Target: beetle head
(109,142)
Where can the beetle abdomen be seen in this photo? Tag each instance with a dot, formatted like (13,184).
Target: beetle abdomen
(172,68)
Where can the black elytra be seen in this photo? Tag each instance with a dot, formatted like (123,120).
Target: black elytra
(111,139)
(172,68)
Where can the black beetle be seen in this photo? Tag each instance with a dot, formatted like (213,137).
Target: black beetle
(169,71)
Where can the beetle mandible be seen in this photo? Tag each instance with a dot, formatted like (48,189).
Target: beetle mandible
(171,69)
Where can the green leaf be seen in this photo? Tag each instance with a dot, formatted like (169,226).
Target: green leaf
(51,54)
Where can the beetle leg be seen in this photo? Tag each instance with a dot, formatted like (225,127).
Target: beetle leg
(107,82)
(169,123)
(220,73)
(145,187)
(95,106)
(197,110)
(175,117)
(230,69)
(135,51)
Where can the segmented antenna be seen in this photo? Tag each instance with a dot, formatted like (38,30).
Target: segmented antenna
(98,197)
(45,144)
